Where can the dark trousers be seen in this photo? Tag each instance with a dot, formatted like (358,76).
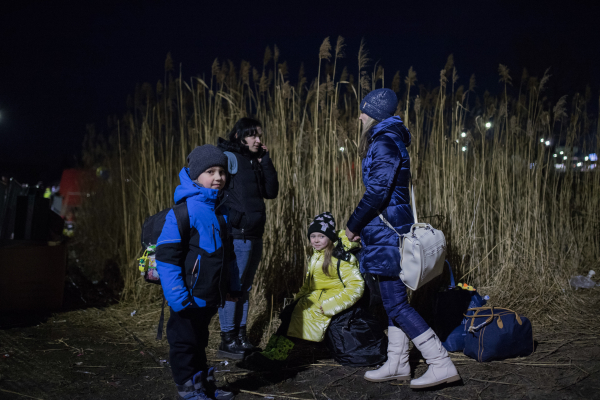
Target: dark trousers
(187,333)
(400,312)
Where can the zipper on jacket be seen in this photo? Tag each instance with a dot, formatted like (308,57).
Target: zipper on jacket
(214,237)
(195,273)
(243,235)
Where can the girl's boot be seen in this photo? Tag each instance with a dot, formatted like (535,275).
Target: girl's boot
(396,367)
(441,369)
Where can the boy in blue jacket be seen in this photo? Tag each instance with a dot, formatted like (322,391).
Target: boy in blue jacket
(199,276)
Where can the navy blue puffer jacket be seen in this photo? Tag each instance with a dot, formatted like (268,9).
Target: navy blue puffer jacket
(386,176)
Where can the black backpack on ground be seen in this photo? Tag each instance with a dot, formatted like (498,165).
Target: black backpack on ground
(151,230)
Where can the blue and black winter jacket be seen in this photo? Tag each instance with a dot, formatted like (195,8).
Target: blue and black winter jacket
(386,176)
(201,274)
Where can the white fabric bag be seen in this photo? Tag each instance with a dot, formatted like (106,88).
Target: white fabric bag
(422,251)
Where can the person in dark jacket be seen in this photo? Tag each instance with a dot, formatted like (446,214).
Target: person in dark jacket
(200,276)
(253,179)
(386,176)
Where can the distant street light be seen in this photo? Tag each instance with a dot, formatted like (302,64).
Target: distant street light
(464,134)
(586,158)
(342,149)
(464,148)
(541,140)
(488,125)
(547,143)
(562,152)
(565,157)
(553,155)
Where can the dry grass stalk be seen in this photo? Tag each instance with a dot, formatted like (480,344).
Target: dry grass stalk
(517,228)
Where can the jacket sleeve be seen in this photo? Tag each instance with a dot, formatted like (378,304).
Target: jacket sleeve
(386,159)
(170,257)
(271,183)
(346,298)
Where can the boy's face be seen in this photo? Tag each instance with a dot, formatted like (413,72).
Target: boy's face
(318,241)
(212,178)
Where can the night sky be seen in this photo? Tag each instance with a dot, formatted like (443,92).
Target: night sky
(67,64)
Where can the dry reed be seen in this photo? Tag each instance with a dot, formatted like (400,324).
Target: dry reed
(516,227)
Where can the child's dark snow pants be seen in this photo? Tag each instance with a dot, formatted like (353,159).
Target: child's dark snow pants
(187,333)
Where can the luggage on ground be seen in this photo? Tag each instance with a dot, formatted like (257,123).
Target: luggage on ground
(449,322)
(497,333)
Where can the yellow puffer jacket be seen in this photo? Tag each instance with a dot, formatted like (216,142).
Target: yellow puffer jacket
(307,321)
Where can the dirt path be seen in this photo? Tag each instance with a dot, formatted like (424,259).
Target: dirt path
(109,354)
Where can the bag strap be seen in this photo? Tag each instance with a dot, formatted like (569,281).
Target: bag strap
(414,204)
(183,221)
(452,281)
(338,271)
(385,221)
(491,315)
(414,210)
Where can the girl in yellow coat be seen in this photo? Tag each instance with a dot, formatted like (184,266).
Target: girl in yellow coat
(331,286)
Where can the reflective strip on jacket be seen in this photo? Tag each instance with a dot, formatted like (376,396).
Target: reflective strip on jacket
(386,176)
(320,290)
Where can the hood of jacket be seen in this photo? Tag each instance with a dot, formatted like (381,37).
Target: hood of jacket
(393,125)
(188,188)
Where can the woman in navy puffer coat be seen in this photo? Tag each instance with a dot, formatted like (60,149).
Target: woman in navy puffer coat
(386,176)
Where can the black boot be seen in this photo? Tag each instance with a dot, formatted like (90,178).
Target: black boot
(244,342)
(229,347)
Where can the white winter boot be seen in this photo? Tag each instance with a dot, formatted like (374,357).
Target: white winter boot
(396,367)
(441,369)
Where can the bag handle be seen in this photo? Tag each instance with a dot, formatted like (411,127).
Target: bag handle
(490,318)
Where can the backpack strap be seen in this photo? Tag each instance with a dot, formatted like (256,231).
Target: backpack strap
(338,271)
(183,221)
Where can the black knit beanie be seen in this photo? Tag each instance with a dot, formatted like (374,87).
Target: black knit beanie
(324,223)
(204,157)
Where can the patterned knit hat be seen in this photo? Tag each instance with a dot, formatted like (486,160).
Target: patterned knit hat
(324,223)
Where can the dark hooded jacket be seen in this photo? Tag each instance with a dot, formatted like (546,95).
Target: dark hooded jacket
(253,182)
(386,176)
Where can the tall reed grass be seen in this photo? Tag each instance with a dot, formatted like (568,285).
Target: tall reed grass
(516,227)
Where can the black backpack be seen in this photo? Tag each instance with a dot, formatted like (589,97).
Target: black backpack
(151,230)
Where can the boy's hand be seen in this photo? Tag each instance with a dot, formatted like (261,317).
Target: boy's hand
(321,308)
(229,298)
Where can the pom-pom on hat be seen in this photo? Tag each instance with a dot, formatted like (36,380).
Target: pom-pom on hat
(324,223)
(380,104)
(204,157)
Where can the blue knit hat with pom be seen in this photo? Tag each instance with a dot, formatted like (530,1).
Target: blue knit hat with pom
(380,104)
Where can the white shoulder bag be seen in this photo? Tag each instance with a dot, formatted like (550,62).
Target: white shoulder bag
(422,251)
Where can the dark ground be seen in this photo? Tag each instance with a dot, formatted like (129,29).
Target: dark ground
(105,353)
(97,350)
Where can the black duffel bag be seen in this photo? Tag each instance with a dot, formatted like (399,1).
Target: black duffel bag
(355,338)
